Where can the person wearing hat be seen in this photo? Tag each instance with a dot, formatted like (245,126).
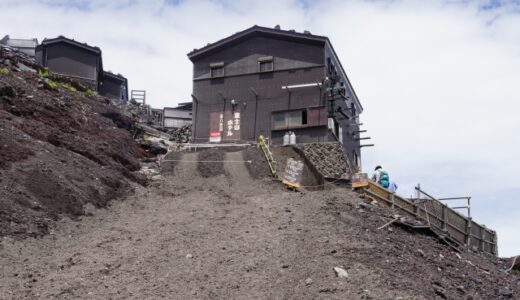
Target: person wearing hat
(381,177)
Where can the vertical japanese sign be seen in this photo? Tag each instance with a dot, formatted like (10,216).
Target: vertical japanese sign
(293,173)
(232,130)
(216,126)
(224,126)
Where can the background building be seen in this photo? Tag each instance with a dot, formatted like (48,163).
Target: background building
(27,46)
(71,58)
(176,117)
(114,86)
(272,81)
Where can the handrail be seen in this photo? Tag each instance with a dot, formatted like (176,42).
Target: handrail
(467,198)
(447,221)
(268,154)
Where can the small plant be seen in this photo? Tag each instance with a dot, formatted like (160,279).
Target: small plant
(43,73)
(90,92)
(4,71)
(68,86)
(53,85)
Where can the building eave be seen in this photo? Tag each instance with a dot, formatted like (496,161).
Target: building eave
(114,76)
(257,31)
(63,39)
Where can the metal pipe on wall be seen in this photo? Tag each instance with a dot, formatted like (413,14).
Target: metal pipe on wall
(194,133)
(256,110)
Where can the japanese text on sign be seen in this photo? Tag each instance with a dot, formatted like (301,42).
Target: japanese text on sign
(293,172)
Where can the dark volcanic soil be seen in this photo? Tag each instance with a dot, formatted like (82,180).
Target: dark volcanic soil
(234,237)
(58,151)
(258,168)
(210,162)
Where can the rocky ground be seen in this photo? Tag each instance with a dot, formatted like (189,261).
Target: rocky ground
(234,233)
(78,222)
(60,148)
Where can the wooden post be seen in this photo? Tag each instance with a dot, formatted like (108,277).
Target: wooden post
(415,208)
(482,232)
(495,244)
(468,231)
(444,217)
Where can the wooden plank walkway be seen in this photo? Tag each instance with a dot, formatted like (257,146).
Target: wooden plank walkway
(441,218)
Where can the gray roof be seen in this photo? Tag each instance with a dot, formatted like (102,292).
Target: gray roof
(19,43)
(63,39)
(258,30)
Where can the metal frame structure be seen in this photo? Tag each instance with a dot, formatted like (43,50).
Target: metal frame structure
(448,224)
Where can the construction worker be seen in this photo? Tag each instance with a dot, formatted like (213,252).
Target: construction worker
(381,177)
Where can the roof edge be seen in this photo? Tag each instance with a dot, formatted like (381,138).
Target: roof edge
(252,30)
(62,38)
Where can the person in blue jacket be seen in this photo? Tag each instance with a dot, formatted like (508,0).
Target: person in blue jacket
(381,177)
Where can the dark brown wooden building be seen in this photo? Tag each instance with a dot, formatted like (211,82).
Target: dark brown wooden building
(271,81)
(71,58)
(114,86)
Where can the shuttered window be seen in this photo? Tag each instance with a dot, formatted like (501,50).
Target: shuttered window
(289,119)
(216,69)
(265,64)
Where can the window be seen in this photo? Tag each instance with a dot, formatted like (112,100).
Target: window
(289,119)
(265,64)
(216,70)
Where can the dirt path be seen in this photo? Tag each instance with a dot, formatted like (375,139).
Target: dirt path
(222,237)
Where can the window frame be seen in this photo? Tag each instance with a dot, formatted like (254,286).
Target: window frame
(265,60)
(216,66)
(288,116)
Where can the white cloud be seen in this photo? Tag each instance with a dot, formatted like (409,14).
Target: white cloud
(439,80)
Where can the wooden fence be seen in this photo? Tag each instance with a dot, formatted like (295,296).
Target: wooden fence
(438,216)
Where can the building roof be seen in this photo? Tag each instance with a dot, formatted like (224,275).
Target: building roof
(277,33)
(256,30)
(62,39)
(114,76)
(181,106)
(19,43)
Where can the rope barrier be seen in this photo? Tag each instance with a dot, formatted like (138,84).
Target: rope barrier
(209,161)
(315,186)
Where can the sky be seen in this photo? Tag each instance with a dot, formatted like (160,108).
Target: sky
(439,80)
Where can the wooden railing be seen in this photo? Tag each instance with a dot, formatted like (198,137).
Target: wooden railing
(438,216)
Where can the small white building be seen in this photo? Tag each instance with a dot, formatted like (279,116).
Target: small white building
(176,117)
(27,46)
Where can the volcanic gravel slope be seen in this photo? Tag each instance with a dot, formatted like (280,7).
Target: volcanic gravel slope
(230,236)
(58,150)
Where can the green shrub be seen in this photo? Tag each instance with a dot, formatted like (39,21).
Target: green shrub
(53,84)
(90,92)
(4,71)
(68,86)
(43,73)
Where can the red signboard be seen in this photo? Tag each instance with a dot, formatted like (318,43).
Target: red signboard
(224,126)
